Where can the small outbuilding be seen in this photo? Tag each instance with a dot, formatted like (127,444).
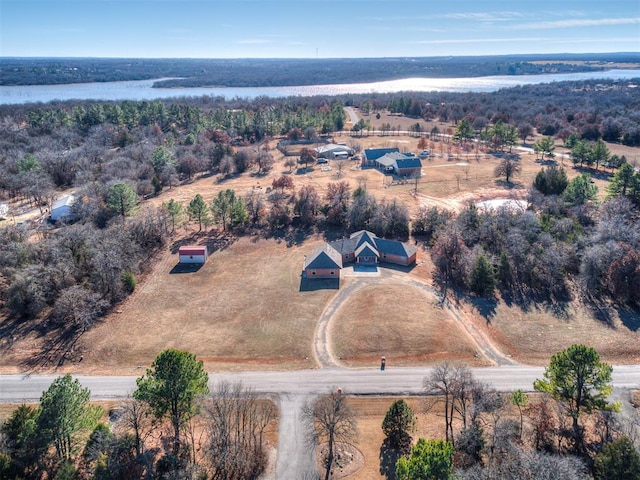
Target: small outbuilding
(61,208)
(192,254)
(334,151)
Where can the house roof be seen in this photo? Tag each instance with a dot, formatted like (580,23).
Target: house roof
(386,160)
(375,153)
(408,162)
(362,236)
(345,246)
(65,201)
(394,247)
(324,257)
(192,250)
(366,249)
(333,147)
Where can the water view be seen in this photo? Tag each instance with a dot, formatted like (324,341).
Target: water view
(143,90)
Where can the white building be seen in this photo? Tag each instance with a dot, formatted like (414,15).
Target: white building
(334,151)
(62,207)
(192,254)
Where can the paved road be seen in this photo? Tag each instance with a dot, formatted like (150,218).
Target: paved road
(393,381)
(353,116)
(292,389)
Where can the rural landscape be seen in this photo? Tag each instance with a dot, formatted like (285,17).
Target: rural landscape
(213,269)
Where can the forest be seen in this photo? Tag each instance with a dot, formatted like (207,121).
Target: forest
(284,72)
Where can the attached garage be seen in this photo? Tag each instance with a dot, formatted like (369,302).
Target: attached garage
(324,262)
(192,254)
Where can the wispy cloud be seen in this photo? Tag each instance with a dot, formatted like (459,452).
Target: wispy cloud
(584,22)
(475,41)
(482,16)
(253,41)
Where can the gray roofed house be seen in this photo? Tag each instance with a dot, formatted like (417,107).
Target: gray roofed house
(392,160)
(370,155)
(362,247)
(324,262)
(333,150)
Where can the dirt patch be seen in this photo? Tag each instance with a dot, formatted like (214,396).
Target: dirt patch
(402,323)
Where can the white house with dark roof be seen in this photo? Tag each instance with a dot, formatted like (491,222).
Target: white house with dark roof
(362,248)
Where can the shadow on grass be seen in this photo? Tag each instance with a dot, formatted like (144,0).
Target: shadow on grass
(388,458)
(511,185)
(186,268)
(485,307)
(630,319)
(313,284)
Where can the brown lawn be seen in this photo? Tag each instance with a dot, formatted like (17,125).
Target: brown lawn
(241,310)
(402,323)
(534,335)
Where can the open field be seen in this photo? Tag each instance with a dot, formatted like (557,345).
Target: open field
(242,309)
(531,336)
(403,324)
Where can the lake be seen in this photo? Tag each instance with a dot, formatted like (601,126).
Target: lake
(142,90)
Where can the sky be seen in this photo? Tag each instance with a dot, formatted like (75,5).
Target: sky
(314,28)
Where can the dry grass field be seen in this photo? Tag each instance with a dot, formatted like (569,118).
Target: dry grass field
(403,324)
(244,308)
(241,310)
(532,336)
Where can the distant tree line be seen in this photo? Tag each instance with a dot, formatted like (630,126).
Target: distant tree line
(590,110)
(277,72)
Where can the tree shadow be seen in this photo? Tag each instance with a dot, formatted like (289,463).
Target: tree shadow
(388,458)
(630,319)
(485,307)
(57,349)
(511,185)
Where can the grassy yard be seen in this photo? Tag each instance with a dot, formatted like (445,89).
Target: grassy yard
(402,323)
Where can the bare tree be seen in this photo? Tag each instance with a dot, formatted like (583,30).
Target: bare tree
(330,420)
(237,421)
(454,387)
(136,419)
(508,168)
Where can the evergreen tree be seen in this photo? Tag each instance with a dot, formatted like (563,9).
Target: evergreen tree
(199,211)
(171,387)
(581,381)
(428,460)
(63,414)
(397,424)
(482,280)
(122,199)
